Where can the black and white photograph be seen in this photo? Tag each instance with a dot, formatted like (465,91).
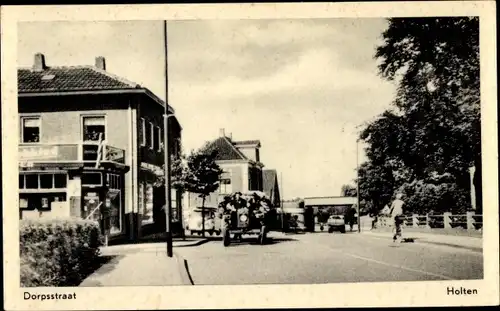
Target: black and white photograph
(255,151)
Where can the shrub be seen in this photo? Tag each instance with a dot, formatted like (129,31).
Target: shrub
(57,252)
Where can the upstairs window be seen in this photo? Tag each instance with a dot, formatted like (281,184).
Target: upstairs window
(142,132)
(157,139)
(93,127)
(30,132)
(152,136)
(149,134)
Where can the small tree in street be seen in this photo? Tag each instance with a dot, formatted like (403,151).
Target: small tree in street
(201,175)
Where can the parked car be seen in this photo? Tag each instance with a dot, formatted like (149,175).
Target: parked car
(336,223)
(194,223)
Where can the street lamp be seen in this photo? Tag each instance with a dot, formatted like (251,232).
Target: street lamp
(168,193)
(168,199)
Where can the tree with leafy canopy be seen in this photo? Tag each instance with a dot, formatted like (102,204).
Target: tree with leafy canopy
(202,176)
(433,131)
(348,191)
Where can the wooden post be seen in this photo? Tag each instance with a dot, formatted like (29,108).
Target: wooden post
(447,220)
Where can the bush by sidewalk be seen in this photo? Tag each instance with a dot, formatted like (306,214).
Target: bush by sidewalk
(58,252)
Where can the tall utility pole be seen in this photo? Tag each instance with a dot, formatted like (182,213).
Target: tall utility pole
(282,210)
(166,149)
(357,184)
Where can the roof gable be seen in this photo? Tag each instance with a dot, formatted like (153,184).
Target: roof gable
(225,150)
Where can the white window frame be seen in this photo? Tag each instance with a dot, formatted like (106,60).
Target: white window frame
(227,175)
(158,129)
(82,126)
(24,117)
(39,188)
(152,133)
(143,131)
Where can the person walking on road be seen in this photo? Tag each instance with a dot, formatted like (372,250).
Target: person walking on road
(350,217)
(397,216)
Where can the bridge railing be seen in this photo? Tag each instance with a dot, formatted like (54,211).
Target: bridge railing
(469,221)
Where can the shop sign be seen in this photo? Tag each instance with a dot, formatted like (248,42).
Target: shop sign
(38,152)
(115,154)
(151,167)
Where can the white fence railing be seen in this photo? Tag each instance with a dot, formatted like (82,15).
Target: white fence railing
(469,221)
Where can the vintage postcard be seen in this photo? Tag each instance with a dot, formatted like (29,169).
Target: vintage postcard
(250,155)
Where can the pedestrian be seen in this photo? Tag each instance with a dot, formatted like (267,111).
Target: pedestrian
(374,219)
(350,217)
(397,216)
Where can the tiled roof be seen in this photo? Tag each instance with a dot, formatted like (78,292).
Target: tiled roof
(269,181)
(247,142)
(225,150)
(66,79)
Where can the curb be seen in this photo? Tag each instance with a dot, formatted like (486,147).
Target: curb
(423,241)
(183,267)
(471,248)
(197,243)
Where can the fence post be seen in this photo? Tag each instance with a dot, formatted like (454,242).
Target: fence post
(427,221)
(447,220)
(415,220)
(470,220)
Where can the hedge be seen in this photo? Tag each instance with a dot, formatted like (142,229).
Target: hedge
(58,252)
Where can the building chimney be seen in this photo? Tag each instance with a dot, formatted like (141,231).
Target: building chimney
(100,63)
(39,64)
(222,133)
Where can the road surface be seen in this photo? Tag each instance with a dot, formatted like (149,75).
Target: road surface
(316,258)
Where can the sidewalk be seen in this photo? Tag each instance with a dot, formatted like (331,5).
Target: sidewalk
(144,264)
(465,242)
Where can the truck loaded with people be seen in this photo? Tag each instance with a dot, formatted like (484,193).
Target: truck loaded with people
(250,213)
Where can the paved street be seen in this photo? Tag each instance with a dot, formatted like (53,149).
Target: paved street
(328,258)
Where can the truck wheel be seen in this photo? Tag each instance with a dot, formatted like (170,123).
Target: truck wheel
(226,237)
(218,232)
(342,230)
(321,228)
(330,229)
(211,233)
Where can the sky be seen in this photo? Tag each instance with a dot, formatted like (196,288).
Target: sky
(301,87)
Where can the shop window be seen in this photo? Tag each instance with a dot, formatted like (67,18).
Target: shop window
(141,198)
(142,132)
(60,180)
(93,127)
(92,179)
(32,181)
(21,181)
(30,130)
(114,181)
(46,181)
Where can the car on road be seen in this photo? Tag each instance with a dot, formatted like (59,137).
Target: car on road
(194,223)
(336,223)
